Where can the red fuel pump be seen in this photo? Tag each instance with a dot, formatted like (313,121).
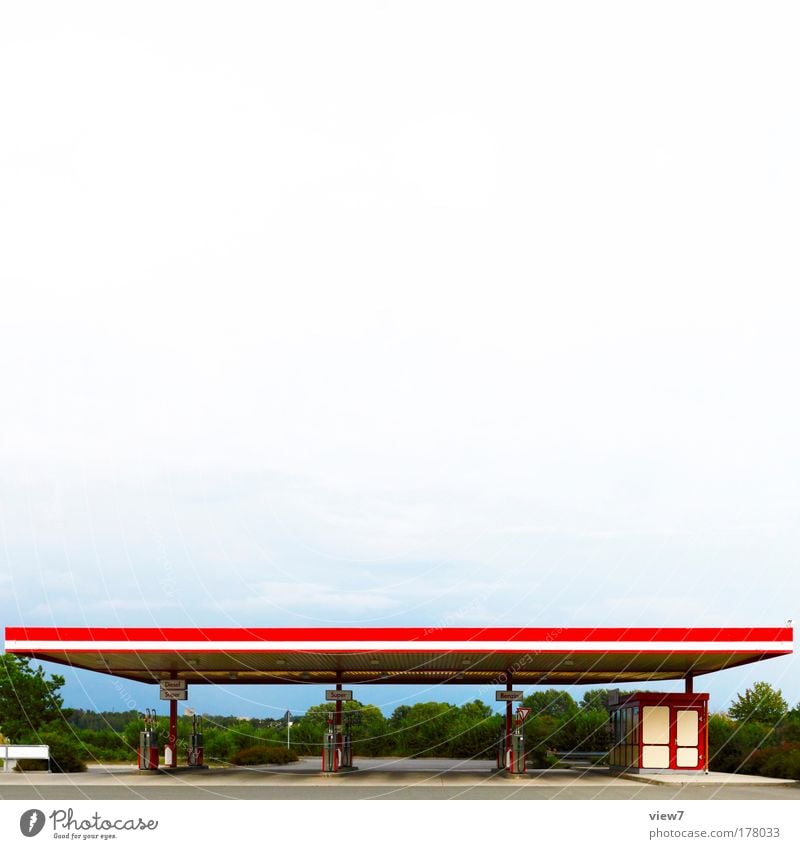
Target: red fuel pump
(148,742)
(194,756)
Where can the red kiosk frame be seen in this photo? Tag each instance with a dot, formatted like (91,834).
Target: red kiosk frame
(660,732)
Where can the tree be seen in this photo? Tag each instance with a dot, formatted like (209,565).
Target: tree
(586,731)
(369,729)
(595,700)
(28,699)
(474,731)
(760,703)
(598,699)
(551,702)
(424,731)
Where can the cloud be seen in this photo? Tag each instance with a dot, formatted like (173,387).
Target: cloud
(292,597)
(658,610)
(66,611)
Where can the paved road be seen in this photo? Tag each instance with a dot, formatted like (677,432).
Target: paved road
(493,791)
(377,778)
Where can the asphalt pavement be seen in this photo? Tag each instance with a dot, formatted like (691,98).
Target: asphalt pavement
(382,778)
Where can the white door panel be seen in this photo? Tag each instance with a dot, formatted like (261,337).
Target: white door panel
(687,728)
(655,757)
(655,724)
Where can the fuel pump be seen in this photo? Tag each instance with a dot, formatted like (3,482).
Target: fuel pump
(144,743)
(194,757)
(330,755)
(148,742)
(153,739)
(347,740)
(517,761)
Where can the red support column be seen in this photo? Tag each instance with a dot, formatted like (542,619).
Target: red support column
(688,683)
(509,718)
(172,740)
(338,718)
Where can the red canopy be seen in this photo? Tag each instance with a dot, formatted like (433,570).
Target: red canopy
(401,655)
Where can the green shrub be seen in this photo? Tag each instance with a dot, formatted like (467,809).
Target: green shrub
(30,765)
(733,745)
(65,755)
(541,733)
(539,758)
(779,761)
(256,755)
(585,731)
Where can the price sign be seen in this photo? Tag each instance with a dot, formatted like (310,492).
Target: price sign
(173,690)
(508,695)
(339,695)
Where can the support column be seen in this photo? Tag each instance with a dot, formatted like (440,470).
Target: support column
(338,720)
(688,682)
(171,755)
(509,719)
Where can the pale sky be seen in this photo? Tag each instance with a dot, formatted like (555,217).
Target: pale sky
(399,314)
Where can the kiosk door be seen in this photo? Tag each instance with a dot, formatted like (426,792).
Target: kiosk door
(655,737)
(687,738)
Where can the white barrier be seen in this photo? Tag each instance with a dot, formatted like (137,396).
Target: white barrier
(11,753)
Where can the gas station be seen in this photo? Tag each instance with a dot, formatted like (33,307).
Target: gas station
(659,732)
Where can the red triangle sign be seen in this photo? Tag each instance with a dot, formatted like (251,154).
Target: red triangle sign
(523,713)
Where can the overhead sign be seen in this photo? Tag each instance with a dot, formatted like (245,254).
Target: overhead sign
(173,696)
(523,713)
(339,695)
(508,695)
(168,691)
(173,684)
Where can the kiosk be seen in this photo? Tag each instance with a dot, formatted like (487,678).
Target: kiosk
(660,732)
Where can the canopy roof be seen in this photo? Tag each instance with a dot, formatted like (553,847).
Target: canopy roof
(401,655)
